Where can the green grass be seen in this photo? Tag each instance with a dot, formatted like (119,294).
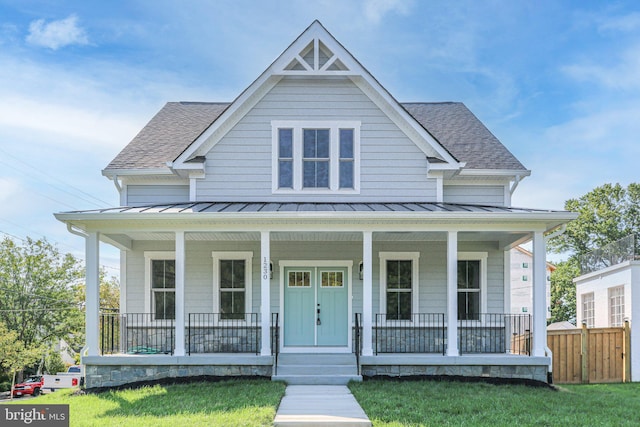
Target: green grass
(433,403)
(228,403)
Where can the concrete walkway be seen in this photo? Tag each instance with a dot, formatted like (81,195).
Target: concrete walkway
(320,405)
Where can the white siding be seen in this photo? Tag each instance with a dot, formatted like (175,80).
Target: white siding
(474,194)
(138,195)
(392,167)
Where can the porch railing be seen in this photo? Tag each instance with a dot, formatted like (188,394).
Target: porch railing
(417,333)
(217,333)
(136,333)
(357,344)
(495,333)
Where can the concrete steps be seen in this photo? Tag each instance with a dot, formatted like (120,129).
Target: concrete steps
(317,369)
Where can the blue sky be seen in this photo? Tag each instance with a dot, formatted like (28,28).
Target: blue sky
(558,82)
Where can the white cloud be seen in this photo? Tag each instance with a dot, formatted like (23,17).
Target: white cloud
(624,23)
(621,75)
(57,34)
(375,10)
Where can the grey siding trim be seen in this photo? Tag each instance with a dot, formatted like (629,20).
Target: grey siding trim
(474,194)
(392,167)
(140,195)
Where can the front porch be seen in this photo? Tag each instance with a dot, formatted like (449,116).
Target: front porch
(137,347)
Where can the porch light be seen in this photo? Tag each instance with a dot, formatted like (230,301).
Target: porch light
(360,267)
(270,269)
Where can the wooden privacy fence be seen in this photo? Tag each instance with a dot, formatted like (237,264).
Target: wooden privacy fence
(595,355)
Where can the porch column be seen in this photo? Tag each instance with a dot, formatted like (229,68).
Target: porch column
(539,295)
(92,314)
(265,293)
(367,293)
(452,293)
(180,273)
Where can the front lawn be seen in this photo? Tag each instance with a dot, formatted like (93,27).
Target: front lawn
(434,403)
(227,403)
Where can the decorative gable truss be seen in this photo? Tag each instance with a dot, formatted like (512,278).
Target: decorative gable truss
(315,53)
(318,59)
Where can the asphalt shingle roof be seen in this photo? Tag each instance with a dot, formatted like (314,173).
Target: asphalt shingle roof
(178,124)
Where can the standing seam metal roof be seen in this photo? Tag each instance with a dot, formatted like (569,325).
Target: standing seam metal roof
(271,207)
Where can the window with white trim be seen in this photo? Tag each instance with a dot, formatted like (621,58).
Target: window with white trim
(616,306)
(399,284)
(472,285)
(160,279)
(232,284)
(316,156)
(588,309)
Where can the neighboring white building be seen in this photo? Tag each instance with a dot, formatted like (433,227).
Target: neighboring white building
(522,282)
(605,298)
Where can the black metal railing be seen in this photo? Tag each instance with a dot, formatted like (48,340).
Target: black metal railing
(418,333)
(357,347)
(110,333)
(275,340)
(495,333)
(215,333)
(136,333)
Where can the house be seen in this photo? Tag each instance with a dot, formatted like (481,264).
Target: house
(521,284)
(608,292)
(314,220)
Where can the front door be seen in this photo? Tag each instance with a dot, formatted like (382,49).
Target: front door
(316,307)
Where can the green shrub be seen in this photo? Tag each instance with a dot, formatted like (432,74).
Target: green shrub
(5,386)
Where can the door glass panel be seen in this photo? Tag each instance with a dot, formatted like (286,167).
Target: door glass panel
(299,279)
(332,279)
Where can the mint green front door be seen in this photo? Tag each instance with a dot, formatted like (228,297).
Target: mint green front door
(316,307)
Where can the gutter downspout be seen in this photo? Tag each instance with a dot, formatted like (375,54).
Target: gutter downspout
(547,350)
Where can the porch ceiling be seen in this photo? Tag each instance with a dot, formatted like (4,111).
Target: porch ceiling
(503,239)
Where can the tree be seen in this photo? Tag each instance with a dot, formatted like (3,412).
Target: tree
(605,214)
(109,301)
(37,292)
(563,291)
(14,355)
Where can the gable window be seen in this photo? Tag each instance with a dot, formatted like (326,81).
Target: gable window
(399,284)
(616,306)
(315,157)
(232,284)
(588,309)
(471,285)
(160,282)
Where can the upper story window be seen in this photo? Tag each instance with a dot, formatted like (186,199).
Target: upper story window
(316,157)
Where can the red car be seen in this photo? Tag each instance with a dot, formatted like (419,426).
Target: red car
(32,386)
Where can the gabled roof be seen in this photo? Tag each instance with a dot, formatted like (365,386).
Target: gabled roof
(463,135)
(449,134)
(178,124)
(168,133)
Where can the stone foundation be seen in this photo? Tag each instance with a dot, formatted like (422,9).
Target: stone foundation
(521,372)
(115,375)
